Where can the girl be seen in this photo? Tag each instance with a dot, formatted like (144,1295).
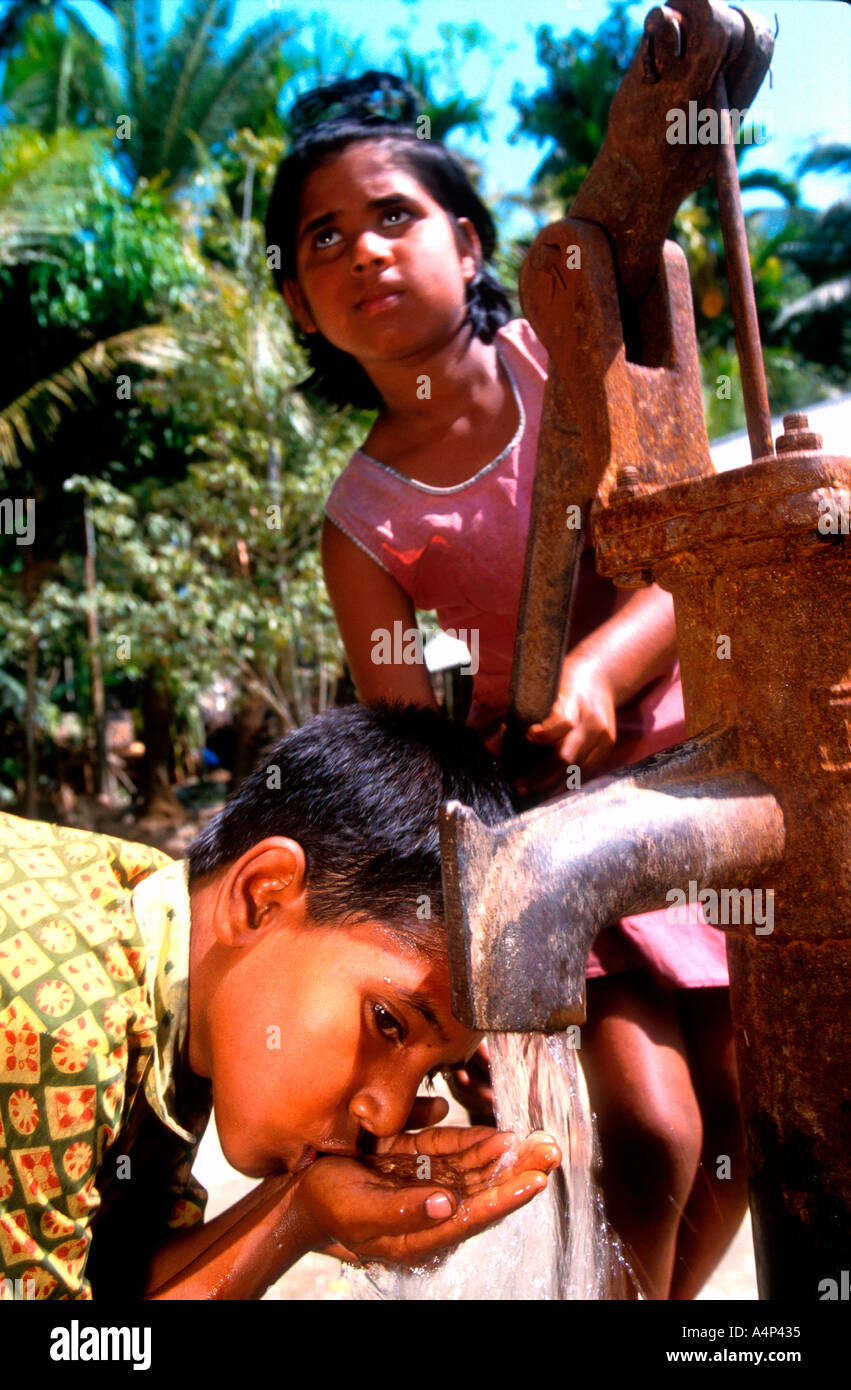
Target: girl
(383,250)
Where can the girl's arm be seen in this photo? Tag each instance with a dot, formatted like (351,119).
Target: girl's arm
(637,644)
(605,670)
(367,602)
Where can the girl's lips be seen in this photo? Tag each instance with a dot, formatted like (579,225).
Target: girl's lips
(374,303)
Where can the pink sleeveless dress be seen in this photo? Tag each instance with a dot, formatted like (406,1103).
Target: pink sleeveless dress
(460,552)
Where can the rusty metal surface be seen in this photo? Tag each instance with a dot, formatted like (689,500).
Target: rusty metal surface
(762,593)
(525,900)
(602,413)
(742,298)
(784,497)
(611,302)
(640,178)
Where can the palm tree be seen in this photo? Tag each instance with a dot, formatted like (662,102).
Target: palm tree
(572,110)
(15,17)
(175,89)
(192,85)
(57,76)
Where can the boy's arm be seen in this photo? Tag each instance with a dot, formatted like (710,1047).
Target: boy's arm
(346,1208)
(238,1254)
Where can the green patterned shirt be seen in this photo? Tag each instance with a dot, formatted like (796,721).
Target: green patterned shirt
(100,1116)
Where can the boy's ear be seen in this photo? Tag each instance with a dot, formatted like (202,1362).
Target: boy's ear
(297,305)
(264,888)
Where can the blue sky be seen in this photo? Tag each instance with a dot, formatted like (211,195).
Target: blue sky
(809,100)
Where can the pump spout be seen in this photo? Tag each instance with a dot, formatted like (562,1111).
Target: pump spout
(525,899)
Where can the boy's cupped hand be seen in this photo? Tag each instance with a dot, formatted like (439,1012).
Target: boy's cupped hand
(423,1193)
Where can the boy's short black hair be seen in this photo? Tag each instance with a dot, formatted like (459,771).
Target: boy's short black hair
(360,788)
(324,122)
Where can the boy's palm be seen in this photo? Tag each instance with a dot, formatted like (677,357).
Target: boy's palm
(362,1213)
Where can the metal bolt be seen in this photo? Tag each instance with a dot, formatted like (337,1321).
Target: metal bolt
(633,579)
(797,436)
(626,486)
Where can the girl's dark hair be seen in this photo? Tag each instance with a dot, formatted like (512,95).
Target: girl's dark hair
(375,106)
(360,789)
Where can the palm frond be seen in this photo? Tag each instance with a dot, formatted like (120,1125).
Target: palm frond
(228,100)
(39,411)
(816,301)
(825,158)
(185,54)
(771,180)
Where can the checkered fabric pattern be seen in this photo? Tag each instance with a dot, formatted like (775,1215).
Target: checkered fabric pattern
(94,1120)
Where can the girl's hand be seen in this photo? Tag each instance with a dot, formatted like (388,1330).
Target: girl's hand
(357,1212)
(582,725)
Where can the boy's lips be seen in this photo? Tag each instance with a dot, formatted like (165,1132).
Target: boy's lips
(304,1161)
(329,1148)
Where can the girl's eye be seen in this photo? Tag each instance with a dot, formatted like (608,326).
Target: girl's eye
(399,215)
(386,1024)
(327,237)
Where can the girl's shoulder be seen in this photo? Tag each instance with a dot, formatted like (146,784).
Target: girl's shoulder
(519,339)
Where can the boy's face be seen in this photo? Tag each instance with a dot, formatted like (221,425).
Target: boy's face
(319,1037)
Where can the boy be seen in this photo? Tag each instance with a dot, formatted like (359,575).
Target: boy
(293,973)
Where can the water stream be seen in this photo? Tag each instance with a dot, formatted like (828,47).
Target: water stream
(559,1246)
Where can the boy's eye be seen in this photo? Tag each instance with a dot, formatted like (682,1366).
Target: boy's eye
(386,1024)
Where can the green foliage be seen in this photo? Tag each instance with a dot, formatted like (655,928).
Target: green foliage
(219,574)
(437,76)
(192,84)
(126,263)
(57,76)
(45,180)
(792,249)
(572,109)
(93,267)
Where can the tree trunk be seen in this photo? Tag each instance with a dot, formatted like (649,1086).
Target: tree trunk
(248,721)
(31,793)
(159,800)
(96,671)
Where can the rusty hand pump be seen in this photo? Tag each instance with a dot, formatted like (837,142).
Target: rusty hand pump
(759,795)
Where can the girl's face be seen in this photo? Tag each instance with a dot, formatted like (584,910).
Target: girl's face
(381,269)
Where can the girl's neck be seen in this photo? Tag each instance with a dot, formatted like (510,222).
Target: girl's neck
(427,392)
(454,401)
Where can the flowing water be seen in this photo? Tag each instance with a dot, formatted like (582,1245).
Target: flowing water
(559,1245)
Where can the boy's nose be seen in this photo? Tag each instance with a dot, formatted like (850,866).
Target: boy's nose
(383,1110)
